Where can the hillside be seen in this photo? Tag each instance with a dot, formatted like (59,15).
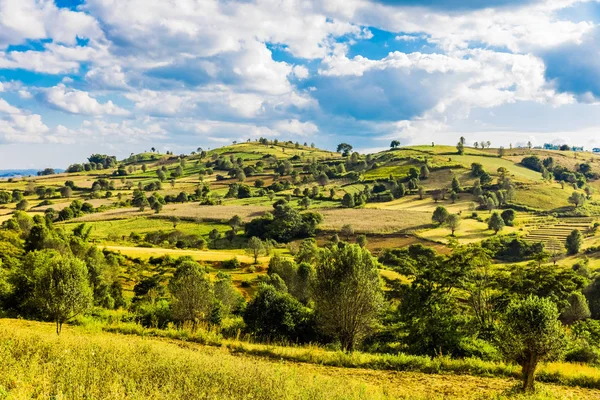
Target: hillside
(106,366)
(249,245)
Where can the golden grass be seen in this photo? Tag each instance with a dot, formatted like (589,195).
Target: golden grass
(372,220)
(465,203)
(82,363)
(470,231)
(199,255)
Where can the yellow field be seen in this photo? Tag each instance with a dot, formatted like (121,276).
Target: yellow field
(373,220)
(466,203)
(87,364)
(470,231)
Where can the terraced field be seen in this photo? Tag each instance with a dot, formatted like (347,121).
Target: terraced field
(554,235)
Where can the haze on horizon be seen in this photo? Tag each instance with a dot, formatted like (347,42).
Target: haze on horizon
(103,76)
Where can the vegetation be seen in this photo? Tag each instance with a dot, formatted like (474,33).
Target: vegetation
(253,243)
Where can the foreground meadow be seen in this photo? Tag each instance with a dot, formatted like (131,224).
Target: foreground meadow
(82,364)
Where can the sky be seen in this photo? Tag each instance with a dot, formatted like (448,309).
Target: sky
(117,77)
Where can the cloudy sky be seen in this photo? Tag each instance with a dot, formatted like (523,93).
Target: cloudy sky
(114,76)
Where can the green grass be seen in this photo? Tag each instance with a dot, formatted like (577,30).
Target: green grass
(142,225)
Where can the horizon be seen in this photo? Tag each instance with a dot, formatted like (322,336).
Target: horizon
(93,76)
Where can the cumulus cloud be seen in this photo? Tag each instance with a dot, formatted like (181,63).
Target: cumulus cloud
(30,19)
(79,102)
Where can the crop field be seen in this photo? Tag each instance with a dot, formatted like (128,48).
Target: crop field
(543,196)
(554,236)
(369,220)
(465,203)
(118,228)
(470,231)
(397,171)
(491,164)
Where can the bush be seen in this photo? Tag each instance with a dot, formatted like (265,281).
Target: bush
(234,263)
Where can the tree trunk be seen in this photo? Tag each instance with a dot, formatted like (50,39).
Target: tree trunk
(529,368)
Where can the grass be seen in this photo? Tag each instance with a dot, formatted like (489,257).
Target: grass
(371,220)
(465,203)
(37,364)
(142,225)
(88,362)
(543,196)
(470,231)
(199,255)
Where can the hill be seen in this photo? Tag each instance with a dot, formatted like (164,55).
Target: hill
(444,244)
(102,366)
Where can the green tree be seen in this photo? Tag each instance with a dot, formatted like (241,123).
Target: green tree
(192,293)
(577,310)
(22,205)
(460,148)
(361,240)
(235,223)
(304,202)
(395,144)
(530,333)
(348,295)
(347,231)
(61,286)
(574,242)
(453,222)
(214,235)
(577,199)
(255,248)
(496,223)
(508,216)
(424,172)
(439,215)
(348,201)
(456,185)
(344,148)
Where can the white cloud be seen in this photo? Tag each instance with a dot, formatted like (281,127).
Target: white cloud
(41,19)
(79,102)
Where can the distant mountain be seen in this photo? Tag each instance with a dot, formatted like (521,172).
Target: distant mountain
(14,173)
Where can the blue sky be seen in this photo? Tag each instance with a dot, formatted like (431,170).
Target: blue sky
(86,76)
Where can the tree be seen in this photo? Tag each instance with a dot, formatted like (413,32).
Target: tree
(61,287)
(530,333)
(157,207)
(508,216)
(460,147)
(501,152)
(496,223)
(323,179)
(348,295)
(577,310)
(174,221)
(577,199)
(361,240)
(66,192)
(235,223)
(529,145)
(395,144)
(424,172)
(453,222)
(304,202)
(214,235)
(439,215)
(348,201)
(347,231)
(192,293)
(456,185)
(22,205)
(275,315)
(344,148)
(255,248)
(574,242)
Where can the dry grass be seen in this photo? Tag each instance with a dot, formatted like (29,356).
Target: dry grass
(90,364)
(373,220)
(470,231)
(465,203)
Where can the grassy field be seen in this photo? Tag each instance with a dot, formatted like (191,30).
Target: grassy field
(470,231)
(119,228)
(92,364)
(465,203)
(372,220)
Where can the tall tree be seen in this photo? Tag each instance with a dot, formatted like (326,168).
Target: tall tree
(192,293)
(61,287)
(531,333)
(348,295)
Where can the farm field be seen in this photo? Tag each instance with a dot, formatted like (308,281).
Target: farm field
(470,231)
(370,220)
